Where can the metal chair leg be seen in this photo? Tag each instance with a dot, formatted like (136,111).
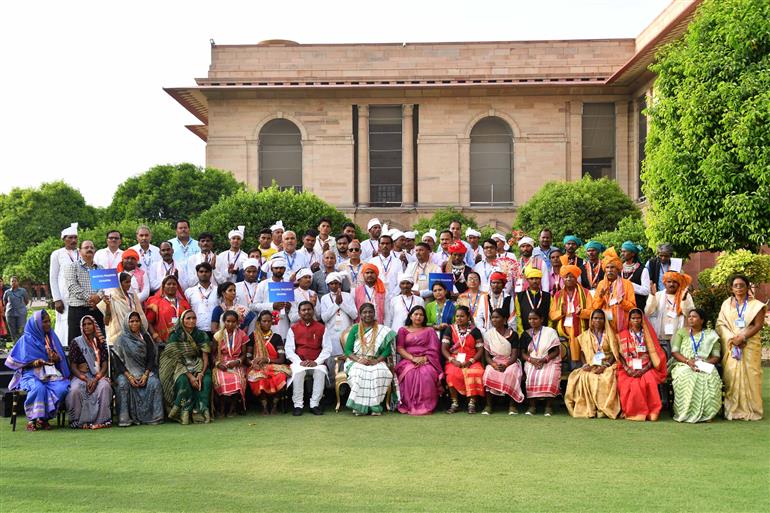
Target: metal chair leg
(14,404)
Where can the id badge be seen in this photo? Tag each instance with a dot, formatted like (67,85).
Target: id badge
(671,314)
(598,358)
(668,329)
(174,320)
(609,314)
(740,323)
(519,284)
(613,301)
(51,370)
(568,321)
(422,277)
(338,322)
(460,357)
(636,364)
(641,349)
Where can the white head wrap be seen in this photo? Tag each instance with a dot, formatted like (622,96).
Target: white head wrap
(237,233)
(333,277)
(72,230)
(470,232)
(410,235)
(373,222)
(526,240)
(278,262)
(429,234)
(396,234)
(277,226)
(250,262)
(304,272)
(405,277)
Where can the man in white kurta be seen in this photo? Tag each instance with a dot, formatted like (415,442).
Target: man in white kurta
(338,311)
(303,292)
(203,297)
(661,308)
(390,266)
(59,260)
(246,290)
(229,262)
(110,257)
(262,301)
(148,254)
(402,304)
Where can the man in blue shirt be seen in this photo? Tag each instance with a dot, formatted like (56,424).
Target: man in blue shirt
(184,246)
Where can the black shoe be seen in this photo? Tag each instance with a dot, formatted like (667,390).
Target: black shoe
(316,410)
(297,412)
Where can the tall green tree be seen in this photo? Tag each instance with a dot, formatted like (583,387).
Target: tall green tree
(707,167)
(581,208)
(169,192)
(29,216)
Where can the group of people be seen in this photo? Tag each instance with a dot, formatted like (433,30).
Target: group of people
(188,329)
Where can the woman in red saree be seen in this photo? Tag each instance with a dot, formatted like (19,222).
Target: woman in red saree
(229,374)
(642,367)
(268,372)
(164,308)
(463,348)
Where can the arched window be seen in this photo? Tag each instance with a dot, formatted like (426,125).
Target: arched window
(280,155)
(491,162)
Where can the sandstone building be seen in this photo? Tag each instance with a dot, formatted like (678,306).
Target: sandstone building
(399,130)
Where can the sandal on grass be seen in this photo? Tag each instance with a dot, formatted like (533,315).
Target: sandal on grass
(454,407)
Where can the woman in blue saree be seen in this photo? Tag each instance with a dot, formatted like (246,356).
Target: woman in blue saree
(41,369)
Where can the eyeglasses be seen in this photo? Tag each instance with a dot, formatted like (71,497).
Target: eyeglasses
(354,249)
(113,238)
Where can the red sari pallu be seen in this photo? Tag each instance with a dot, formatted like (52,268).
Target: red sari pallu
(640,396)
(230,348)
(269,378)
(467,381)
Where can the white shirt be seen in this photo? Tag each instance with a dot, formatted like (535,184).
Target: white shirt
(59,260)
(147,258)
(311,257)
(369,248)
(202,301)
(661,311)
(193,261)
(301,295)
(440,257)
(294,263)
(106,259)
(337,318)
(161,269)
(398,312)
(390,268)
(485,271)
(224,259)
(262,302)
(319,244)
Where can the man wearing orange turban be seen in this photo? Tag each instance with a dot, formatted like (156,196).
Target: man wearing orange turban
(371,291)
(140,281)
(570,310)
(668,308)
(614,295)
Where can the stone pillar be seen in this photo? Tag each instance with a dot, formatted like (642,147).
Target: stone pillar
(407,157)
(574,140)
(363,155)
(622,176)
(464,171)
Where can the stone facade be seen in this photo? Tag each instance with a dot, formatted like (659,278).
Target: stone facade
(538,88)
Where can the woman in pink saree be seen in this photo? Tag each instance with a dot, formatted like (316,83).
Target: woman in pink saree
(419,372)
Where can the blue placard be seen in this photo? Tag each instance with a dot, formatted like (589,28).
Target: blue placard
(280,291)
(102,279)
(446,278)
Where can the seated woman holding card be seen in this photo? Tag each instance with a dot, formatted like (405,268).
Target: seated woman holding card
(541,352)
(642,369)
(592,390)
(502,375)
(463,350)
(697,385)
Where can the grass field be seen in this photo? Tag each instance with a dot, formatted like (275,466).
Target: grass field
(392,463)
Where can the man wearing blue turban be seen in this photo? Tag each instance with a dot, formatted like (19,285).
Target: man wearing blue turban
(635,271)
(571,244)
(592,271)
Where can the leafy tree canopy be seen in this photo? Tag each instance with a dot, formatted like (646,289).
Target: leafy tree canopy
(707,167)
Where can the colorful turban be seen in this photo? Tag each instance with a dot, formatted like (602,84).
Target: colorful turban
(457,247)
(572,238)
(570,269)
(630,246)
(532,272)
(129,253)
(598,246)
(379,287)
(498,276)
(611,257)
(684,281)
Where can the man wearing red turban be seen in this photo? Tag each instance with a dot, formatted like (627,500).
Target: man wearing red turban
(371,291)
(140,281)
(457,266)
(667,309)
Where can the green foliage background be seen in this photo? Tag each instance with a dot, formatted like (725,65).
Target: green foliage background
(707,167)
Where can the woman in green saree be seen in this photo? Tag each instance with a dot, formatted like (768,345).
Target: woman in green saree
(697,385)
(184,372)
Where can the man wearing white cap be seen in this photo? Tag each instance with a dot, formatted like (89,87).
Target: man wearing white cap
(262,301)
(430,237)
(229,262)
(246,290)
(390,266)
(338,311)
(371,247)
(277,233)
(526,246)
(59,260)
(501,245)
(409,242)
(302,293)
(399,241)
(402,304)
(474,252)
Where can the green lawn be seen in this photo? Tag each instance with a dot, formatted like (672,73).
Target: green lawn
(392,463)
